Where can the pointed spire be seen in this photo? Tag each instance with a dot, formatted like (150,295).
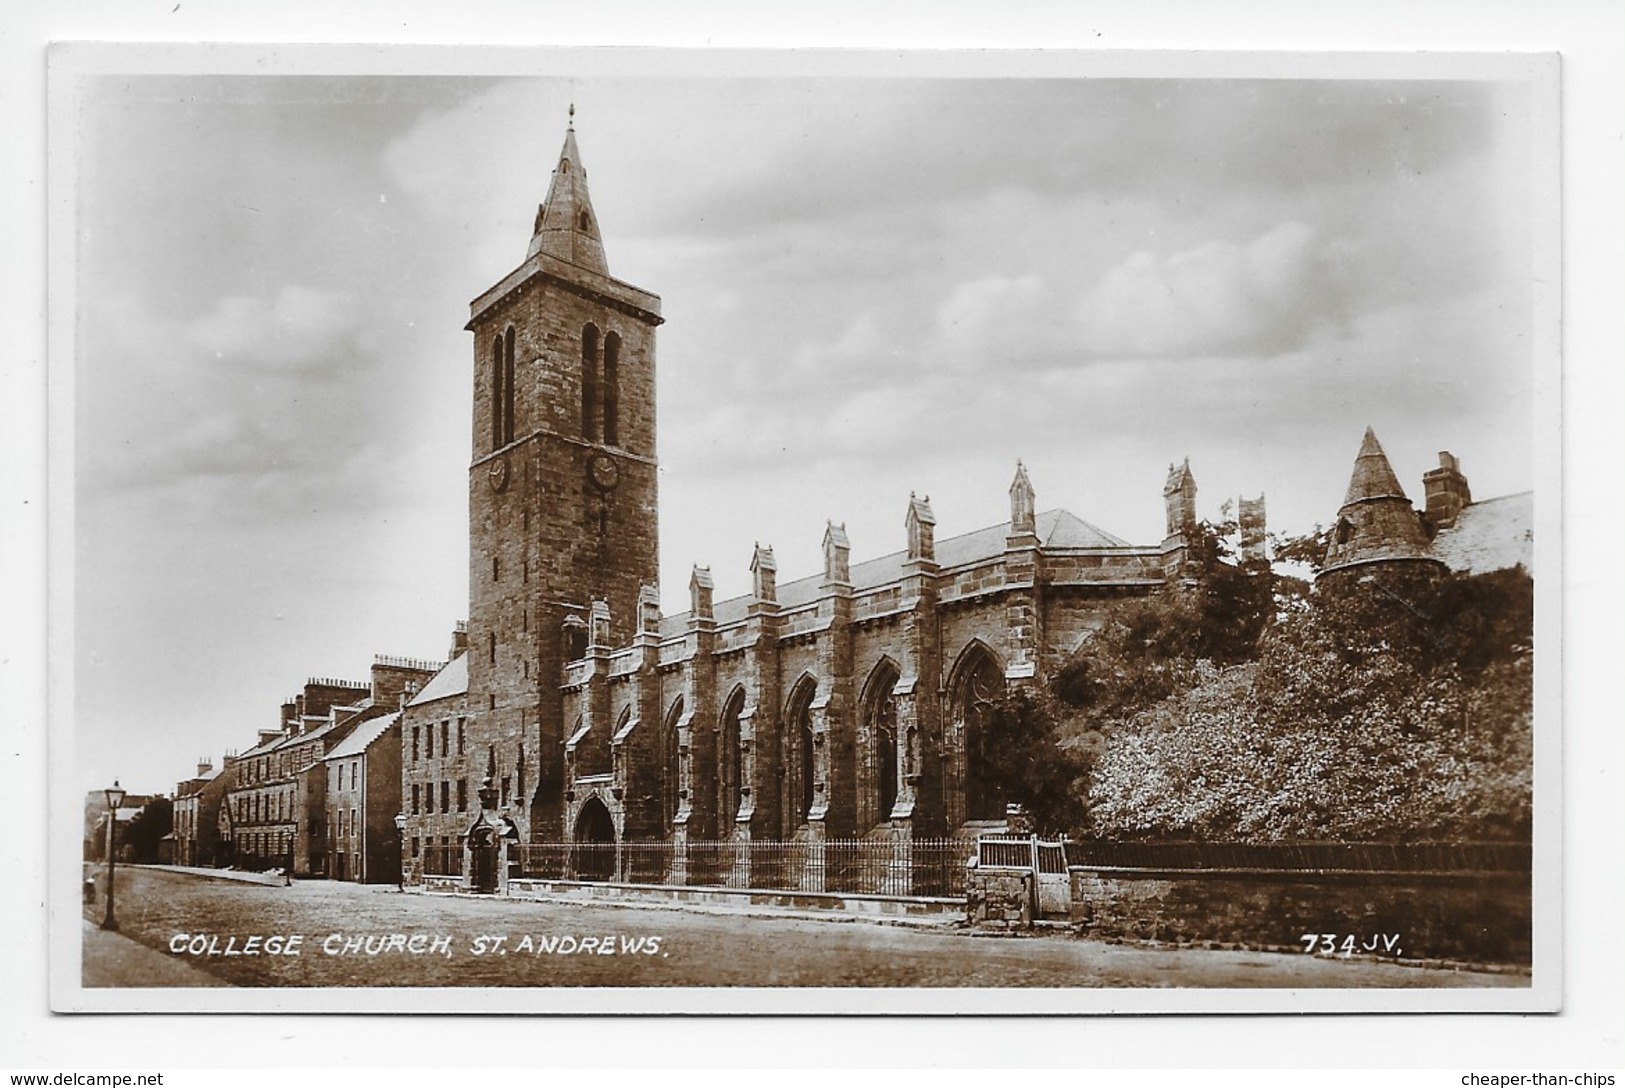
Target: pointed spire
(566,225)
(1373,476)
(700,590)
(837,555)
(921,524)
(1023,515)
(1376,524)
(764,574)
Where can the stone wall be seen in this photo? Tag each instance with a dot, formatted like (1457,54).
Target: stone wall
(1479,917)
(999,896)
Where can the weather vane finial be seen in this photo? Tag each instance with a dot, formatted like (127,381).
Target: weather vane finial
(572,115)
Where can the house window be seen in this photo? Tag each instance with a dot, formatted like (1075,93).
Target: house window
(462,795)
(445,796)
(414,744)
(428,738)
(414,846)
(415,798)
(507,787)
(445,738)
(460,737)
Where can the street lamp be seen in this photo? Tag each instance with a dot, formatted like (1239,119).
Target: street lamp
(115,798)
(400,851)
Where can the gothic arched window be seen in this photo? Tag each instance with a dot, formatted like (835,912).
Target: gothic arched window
(729,781)
(507,387)
(497,372)
(612,388)
(880,722)
(670,772)
(973,696)
(589,382)
(799,764)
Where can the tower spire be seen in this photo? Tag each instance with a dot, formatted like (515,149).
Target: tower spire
(566,225)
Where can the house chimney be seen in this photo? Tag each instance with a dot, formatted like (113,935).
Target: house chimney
(1447,491)
(459,640)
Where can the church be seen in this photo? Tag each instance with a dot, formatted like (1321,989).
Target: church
(847,704)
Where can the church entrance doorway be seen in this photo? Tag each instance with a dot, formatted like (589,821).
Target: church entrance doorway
(594,842)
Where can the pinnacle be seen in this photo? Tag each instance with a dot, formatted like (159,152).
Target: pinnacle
(1373,476)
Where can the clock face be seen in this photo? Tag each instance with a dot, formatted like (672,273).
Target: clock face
(604,472)
(497,474)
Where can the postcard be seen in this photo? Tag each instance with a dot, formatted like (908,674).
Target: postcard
(660,531)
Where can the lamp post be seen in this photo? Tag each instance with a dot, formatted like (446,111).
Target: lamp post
(115,798)
(400,851)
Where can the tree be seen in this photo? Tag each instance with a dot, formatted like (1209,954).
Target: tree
(1031,766)
(147,828)
(1401,709)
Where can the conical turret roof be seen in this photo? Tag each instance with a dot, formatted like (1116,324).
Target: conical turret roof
(1373,476)
(566,225)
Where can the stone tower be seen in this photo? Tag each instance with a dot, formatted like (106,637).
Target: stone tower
(1377,530)
(561,486)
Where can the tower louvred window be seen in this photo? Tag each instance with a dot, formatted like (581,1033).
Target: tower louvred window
(589,382)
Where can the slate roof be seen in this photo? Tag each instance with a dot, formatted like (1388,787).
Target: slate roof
(357,742)
(449,681)
(1058,531)
(1491,535)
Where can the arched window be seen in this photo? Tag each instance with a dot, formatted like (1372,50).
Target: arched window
(575,638)
(589,382)
(507,387)
(612,389)
(670,772)
(973,696)
(728,762)
(880,723)
(799,764)
(583,223)
(497,373)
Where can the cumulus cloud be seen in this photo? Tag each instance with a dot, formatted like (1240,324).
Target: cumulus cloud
(298,328)
(1263,297)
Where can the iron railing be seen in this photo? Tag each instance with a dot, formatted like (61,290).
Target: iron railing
(918,867)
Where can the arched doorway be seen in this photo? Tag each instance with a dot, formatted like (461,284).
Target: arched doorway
(594,851)
(974,695)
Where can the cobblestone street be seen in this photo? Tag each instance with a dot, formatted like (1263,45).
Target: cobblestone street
(328,934)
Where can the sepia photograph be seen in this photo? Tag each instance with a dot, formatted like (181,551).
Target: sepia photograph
(642,531)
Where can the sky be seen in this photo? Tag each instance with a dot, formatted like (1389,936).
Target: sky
(871,286)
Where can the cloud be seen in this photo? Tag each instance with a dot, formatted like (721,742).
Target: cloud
(1264,298)
(299,329)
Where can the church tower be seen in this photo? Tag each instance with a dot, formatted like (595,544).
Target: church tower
(562,488)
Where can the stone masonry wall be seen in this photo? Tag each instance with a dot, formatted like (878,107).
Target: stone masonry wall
(1454,916)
